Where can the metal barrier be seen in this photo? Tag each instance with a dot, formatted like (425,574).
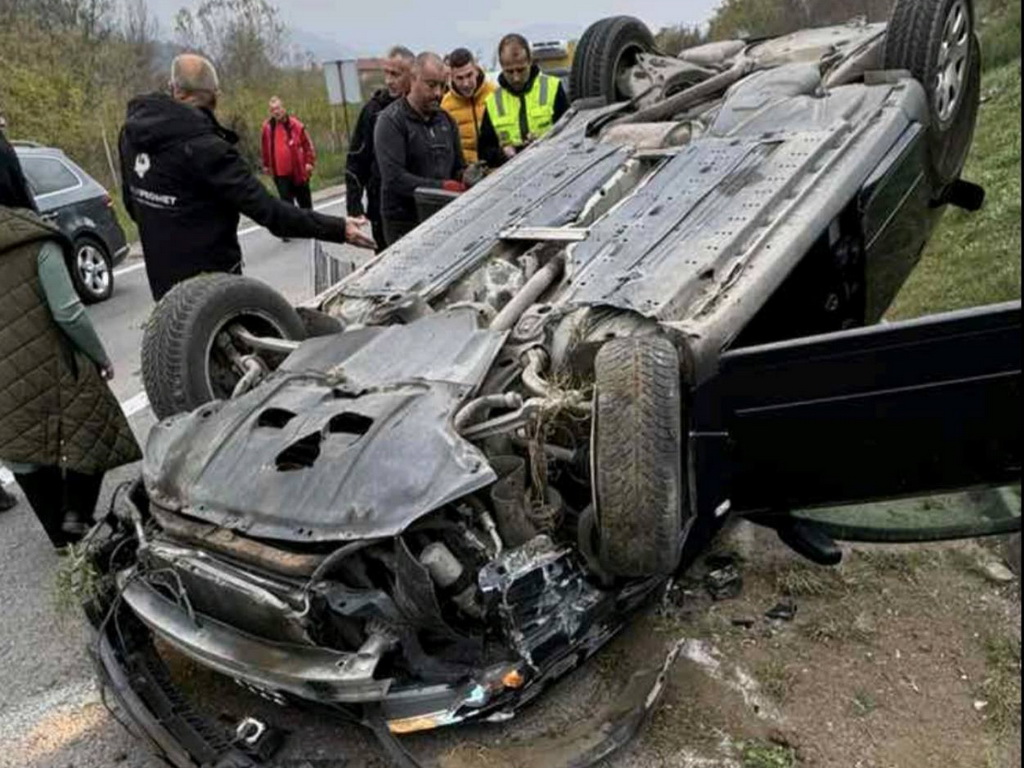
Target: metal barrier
(329,269)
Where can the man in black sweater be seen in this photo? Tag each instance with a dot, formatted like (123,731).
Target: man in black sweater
(186,184)
(362,173)
(417,145)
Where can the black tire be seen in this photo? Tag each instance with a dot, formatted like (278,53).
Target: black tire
(915,41)
(606,47)
(637,449)
(181,367)
(92,271)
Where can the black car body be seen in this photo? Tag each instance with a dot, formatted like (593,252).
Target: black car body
(456,474)
(81,208)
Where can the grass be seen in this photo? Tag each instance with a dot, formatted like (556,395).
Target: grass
(75,582)
(1002,685)
(838,628)
(863,703)
(758,755)
(974,258)
(776,680)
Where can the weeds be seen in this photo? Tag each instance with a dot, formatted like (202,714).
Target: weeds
(768,756)
(864,703)
(1002,685)
(839,628)
(776,680)
(76,580)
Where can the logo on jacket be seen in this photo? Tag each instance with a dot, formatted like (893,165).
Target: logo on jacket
(142,165)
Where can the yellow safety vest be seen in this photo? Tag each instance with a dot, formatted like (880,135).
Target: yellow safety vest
(504,108)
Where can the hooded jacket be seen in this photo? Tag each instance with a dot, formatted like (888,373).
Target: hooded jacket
(468,114)
(185,184)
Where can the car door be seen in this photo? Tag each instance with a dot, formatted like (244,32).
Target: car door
(53,185)
(895,410)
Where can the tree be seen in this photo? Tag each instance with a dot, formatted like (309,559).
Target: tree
(672,40)
(245,38)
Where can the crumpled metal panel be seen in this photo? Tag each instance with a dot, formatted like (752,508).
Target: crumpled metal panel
(359,447)
(545,187)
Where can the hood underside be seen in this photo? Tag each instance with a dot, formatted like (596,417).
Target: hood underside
(351,439)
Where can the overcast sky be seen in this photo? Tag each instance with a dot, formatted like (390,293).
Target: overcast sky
(368,26)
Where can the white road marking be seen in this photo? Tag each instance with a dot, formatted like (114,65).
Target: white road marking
(135,404)
(241,233)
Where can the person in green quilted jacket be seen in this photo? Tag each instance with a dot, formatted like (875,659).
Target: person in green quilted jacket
(61,428)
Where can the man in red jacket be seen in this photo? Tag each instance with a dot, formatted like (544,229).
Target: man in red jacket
(288,155)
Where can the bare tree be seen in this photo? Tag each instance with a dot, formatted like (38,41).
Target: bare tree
(245,37)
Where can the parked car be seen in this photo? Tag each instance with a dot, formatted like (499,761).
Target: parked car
(82,209)
(455,475)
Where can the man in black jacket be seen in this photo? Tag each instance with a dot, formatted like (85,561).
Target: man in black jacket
(185,184)
(417,145)
(362,173)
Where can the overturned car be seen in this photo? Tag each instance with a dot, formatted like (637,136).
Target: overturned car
(456,474)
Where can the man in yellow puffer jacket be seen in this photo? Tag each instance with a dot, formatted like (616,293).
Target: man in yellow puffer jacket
(466,102)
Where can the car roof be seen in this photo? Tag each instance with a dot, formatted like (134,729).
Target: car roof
(89,188)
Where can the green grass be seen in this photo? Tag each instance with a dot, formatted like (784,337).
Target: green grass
(768,756)
(777,680)
(1002,685)
(974,258)
(999,28)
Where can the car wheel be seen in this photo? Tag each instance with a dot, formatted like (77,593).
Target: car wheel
(608,47)
(91,271)
(185,363)
(637,455)
(935,41)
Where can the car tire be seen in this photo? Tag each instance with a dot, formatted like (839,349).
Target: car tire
(920,35)
(181,366)
(604,49)
(637,455)
(92,271)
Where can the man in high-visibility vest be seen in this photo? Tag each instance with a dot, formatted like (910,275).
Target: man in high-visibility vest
(525,106)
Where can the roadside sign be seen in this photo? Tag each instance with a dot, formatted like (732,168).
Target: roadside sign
(343,86)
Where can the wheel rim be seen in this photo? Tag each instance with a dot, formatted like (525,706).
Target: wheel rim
(93,270)
(953,61)
(627,58)
(221,376)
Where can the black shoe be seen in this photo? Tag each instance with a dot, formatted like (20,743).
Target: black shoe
(7,501)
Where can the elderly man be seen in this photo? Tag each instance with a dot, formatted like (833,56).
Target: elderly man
(362,174)
(186,184)
(288,155)
(525,106)
(466,102)
(417,145)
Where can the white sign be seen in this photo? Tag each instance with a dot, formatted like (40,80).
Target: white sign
(343,86)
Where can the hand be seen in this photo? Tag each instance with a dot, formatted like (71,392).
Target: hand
(509,151)
(106,372)
(266,171)
(473,174)
(451,185)
(361,220)
(309,169)
(354,234)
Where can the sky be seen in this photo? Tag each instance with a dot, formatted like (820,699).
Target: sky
(368,28)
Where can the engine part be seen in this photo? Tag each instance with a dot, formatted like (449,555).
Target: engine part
(447,572)
(508,496)
(483,405)
(534,288)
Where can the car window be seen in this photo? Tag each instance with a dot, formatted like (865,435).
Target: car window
(47,175)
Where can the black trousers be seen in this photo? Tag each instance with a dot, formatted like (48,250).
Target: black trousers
(296,194)
(395,230)
(53,493)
